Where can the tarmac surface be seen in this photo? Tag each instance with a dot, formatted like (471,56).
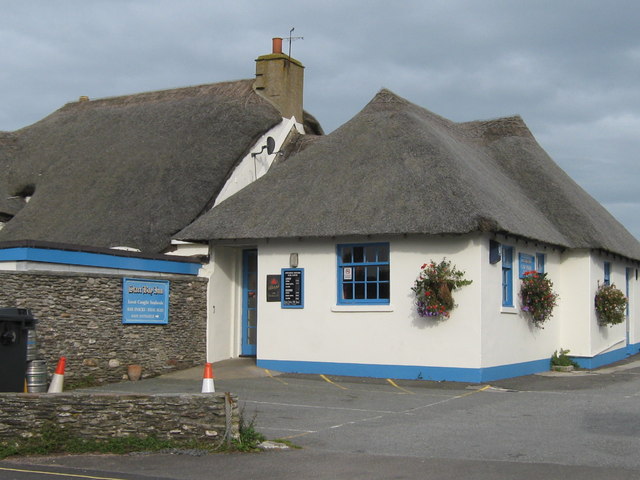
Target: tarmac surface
(554,425)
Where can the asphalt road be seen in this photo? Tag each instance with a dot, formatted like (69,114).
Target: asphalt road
(580,425)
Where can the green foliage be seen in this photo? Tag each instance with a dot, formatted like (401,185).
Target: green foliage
(249,438)
(562,360)
(83,382)
(433,288)
(538,297)
(611,305)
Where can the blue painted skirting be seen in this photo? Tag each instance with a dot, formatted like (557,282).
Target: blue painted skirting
(606,358)
(68,257)
(408,372)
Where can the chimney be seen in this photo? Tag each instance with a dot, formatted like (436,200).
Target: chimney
(280,79)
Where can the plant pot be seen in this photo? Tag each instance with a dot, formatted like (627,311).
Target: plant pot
(134,372)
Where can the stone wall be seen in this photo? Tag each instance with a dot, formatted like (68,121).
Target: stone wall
(104,415)
(80,317)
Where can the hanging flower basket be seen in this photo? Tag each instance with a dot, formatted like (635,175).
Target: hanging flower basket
(611,305)
(434,286)
(537,297)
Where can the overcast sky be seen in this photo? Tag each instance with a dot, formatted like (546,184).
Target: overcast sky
(571,69)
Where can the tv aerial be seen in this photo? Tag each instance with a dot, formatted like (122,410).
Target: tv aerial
(291,38)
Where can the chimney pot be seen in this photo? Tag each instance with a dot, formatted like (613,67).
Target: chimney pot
(277,45)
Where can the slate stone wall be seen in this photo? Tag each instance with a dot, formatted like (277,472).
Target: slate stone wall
(80,317)
(104,415)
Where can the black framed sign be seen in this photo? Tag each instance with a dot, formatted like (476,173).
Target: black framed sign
(292,288)
(273,288)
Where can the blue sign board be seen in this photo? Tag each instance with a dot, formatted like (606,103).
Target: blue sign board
(145,301)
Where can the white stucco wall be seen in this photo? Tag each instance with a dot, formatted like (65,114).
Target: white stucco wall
(480,333)
(324,332)
(223,303)
(604,339)
(575,305)
(581,334)
(508,336)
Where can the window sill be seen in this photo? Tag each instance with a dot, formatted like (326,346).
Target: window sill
(362,308)
(509,310)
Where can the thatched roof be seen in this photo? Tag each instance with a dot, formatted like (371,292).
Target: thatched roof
(397,168)
(130,170)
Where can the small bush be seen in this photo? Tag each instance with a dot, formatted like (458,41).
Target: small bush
(562,360)
(249,438)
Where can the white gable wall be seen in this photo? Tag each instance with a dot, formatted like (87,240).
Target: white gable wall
(257,162)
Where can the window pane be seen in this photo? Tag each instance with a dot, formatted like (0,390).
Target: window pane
(370,254)
(252,281)
(372,274)
(252,299)
(384,273)
(367,280)
(251,334)
(251,318)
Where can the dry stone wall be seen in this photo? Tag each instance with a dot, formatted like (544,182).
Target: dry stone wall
(105,415)
(80,317)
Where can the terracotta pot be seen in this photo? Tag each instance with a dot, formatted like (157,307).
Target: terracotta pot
(134,372)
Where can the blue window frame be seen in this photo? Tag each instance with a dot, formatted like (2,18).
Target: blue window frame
(363,274)
(607,273)
(540,260)
(507,276)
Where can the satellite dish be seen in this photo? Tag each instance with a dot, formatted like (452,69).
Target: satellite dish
(271,145)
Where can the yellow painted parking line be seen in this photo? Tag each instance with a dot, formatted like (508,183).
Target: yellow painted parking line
(55,474)
(275,378)
(391,382)
(486,387)
(326,379)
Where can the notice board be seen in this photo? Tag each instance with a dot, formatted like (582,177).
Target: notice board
(292,288)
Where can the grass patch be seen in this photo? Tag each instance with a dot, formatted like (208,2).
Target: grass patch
(288,443)
(88,381)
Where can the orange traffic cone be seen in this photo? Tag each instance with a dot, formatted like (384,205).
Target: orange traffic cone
(57,381)
(207,380)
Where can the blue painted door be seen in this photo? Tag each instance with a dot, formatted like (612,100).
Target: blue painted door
(249,301)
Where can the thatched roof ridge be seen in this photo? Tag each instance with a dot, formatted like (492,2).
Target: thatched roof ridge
(130,170)
(397,168)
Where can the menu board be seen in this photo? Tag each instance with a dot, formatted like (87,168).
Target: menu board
(292,288)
